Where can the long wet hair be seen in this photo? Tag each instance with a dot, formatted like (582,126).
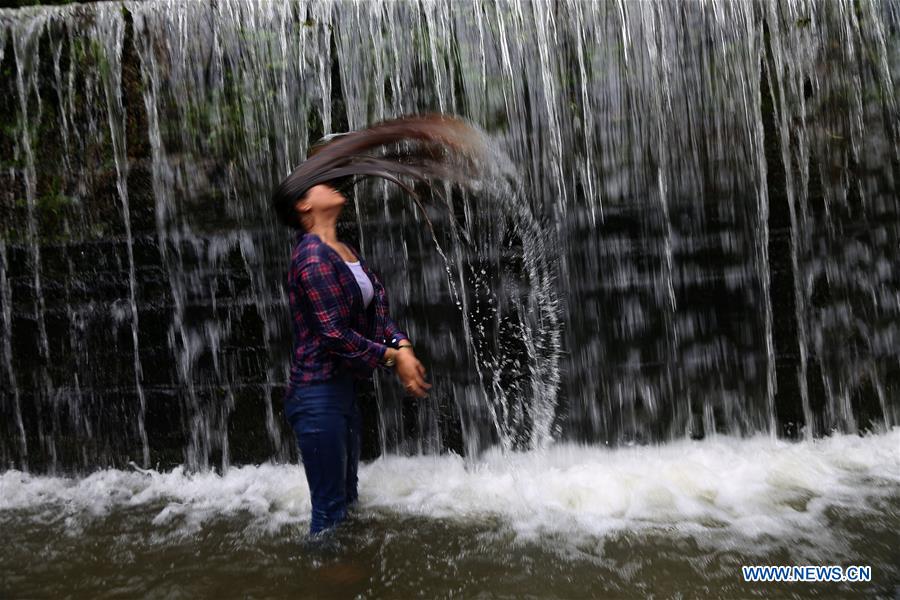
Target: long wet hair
(419,148)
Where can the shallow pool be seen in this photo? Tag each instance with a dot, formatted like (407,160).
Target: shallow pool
(565,522)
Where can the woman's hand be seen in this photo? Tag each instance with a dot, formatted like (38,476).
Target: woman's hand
(410,372)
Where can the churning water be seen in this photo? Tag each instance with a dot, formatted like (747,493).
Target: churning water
(566,521)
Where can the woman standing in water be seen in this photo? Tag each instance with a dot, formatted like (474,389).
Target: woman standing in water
(342,326)
(342,332)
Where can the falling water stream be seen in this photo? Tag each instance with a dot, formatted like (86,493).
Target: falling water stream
(684,256)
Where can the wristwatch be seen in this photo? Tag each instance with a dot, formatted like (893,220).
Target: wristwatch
(388,361)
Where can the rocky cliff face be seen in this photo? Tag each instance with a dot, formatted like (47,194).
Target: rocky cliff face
(703,234)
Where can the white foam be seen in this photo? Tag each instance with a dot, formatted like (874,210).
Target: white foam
(749,488)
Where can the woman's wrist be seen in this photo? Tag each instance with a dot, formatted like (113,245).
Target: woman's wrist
(390,357)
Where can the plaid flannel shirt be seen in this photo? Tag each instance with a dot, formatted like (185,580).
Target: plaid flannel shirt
(332,330)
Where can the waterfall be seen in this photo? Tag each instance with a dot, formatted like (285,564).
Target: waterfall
(693,226)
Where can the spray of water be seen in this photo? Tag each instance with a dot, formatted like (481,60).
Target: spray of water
(703,193)
(425,149)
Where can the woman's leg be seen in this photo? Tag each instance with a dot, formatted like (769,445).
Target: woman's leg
(354,429)
(320,416)
(322,440)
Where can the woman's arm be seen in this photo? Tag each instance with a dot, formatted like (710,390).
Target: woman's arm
(392,333)
(409,369)
(319,283)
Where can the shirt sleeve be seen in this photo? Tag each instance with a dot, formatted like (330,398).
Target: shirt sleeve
(392,332)
(319,283)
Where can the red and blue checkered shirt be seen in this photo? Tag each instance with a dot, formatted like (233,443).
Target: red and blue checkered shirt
(332,329)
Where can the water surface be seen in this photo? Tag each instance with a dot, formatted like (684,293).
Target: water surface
(566,522)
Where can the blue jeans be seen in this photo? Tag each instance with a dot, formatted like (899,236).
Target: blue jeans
(327,423)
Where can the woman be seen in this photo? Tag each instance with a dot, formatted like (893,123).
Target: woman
(342,331)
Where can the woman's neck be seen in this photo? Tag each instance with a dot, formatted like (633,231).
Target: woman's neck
(326,229)
(328,235)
